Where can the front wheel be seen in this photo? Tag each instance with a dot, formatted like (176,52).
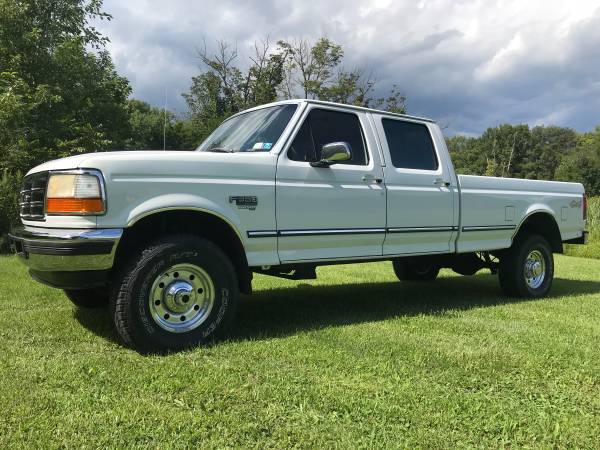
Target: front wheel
(527,269)
(415,270)
(178,292)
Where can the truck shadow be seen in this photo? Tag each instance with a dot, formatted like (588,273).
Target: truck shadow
(285,311)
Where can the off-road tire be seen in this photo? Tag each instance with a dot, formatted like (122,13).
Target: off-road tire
(511,271)
(131,292)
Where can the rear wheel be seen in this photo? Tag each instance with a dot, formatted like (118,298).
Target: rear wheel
(527,269)
(179,292)
(415,271)
(88,298)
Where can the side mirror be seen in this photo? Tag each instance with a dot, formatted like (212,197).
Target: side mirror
(332,153)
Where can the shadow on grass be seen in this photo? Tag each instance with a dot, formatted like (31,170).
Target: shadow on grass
(287,310)
(98,321)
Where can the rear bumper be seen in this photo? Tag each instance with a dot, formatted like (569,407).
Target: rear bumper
(583,239)
(68,259)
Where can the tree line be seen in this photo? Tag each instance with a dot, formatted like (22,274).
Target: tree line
(539,153)
(60,94)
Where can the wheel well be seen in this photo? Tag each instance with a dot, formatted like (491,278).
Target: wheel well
(545,225)
(198,223)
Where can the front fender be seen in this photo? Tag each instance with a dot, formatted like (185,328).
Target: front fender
(170,202)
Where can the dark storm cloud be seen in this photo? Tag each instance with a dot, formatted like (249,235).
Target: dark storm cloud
(468,63)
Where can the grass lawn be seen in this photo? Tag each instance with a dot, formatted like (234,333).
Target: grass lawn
(354,359)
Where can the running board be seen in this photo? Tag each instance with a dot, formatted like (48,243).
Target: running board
(291,273)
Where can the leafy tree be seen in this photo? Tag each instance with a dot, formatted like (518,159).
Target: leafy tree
(279,71)
(224,89)
(548,147)
(59,92)
(312,64)
(543,153)
(316,71)
(9,204)
(153,128)
(583,162)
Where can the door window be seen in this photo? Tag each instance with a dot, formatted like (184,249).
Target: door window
(323,126)
(410,145)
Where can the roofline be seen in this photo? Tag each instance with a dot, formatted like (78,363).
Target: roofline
(362,108)
(337,105)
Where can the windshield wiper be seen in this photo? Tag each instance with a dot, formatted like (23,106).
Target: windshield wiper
(221,150)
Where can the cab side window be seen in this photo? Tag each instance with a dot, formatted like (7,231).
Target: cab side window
(324,127)
(410,145)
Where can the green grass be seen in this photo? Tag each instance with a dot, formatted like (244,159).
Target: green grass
(355,359)
(592,250)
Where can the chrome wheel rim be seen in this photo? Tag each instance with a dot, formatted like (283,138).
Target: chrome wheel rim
(181,298)
(535,269)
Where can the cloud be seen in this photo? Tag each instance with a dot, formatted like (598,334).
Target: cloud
(467,63)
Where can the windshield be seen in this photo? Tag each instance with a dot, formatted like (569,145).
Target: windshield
(254,131)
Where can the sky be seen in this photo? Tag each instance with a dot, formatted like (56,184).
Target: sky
(469,64)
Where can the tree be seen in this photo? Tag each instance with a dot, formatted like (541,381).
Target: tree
(59,91)
(582,164)
(223,89)
(316,71)
(313,65)
(275,72)
(153,128)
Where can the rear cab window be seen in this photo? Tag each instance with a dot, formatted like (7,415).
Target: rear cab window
(410,145)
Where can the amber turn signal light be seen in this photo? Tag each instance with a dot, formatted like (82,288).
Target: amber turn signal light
(74,205)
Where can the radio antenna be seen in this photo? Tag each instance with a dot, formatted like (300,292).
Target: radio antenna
(165,122)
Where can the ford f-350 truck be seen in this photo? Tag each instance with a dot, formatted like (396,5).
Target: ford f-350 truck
(169,239)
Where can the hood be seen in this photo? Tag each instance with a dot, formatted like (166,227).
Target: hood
(173,164)
(78,161)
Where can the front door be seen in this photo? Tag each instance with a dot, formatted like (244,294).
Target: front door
(335,212)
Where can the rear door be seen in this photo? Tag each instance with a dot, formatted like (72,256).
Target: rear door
(421,192)
(335,212)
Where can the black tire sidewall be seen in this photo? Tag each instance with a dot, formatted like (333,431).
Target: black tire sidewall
(145,332)
(530,244)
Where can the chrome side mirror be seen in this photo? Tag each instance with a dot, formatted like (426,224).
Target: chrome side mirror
(332,153)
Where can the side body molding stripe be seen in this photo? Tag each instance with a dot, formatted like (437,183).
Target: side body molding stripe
(489,228)
(345,231)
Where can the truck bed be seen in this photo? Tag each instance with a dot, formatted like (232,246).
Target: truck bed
(492,208)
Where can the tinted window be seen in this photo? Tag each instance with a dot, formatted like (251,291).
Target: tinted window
(410,145)
(302,149)
(324,127)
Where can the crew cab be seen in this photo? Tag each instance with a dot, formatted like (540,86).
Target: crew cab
(169,239)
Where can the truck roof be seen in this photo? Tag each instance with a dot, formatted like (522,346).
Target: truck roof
(341,105)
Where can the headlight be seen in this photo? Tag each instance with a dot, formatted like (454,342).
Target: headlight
(79,192)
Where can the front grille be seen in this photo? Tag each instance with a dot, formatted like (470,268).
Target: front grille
(33,195)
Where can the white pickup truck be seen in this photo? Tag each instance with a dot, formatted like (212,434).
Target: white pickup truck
(169,239)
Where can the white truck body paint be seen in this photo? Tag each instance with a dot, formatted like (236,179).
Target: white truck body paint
(342,212)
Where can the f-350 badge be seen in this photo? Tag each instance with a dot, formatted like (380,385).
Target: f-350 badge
(244,201)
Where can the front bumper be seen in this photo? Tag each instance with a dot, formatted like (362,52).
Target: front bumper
(67,258)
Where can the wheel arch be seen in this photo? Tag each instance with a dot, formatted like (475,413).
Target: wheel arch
(188,220)
(543,222)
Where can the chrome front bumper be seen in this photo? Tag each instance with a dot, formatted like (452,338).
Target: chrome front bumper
(65,250)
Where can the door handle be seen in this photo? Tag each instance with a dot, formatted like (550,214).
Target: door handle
(441,182)
(369,177)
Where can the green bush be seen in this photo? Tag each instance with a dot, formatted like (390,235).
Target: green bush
(9,205)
